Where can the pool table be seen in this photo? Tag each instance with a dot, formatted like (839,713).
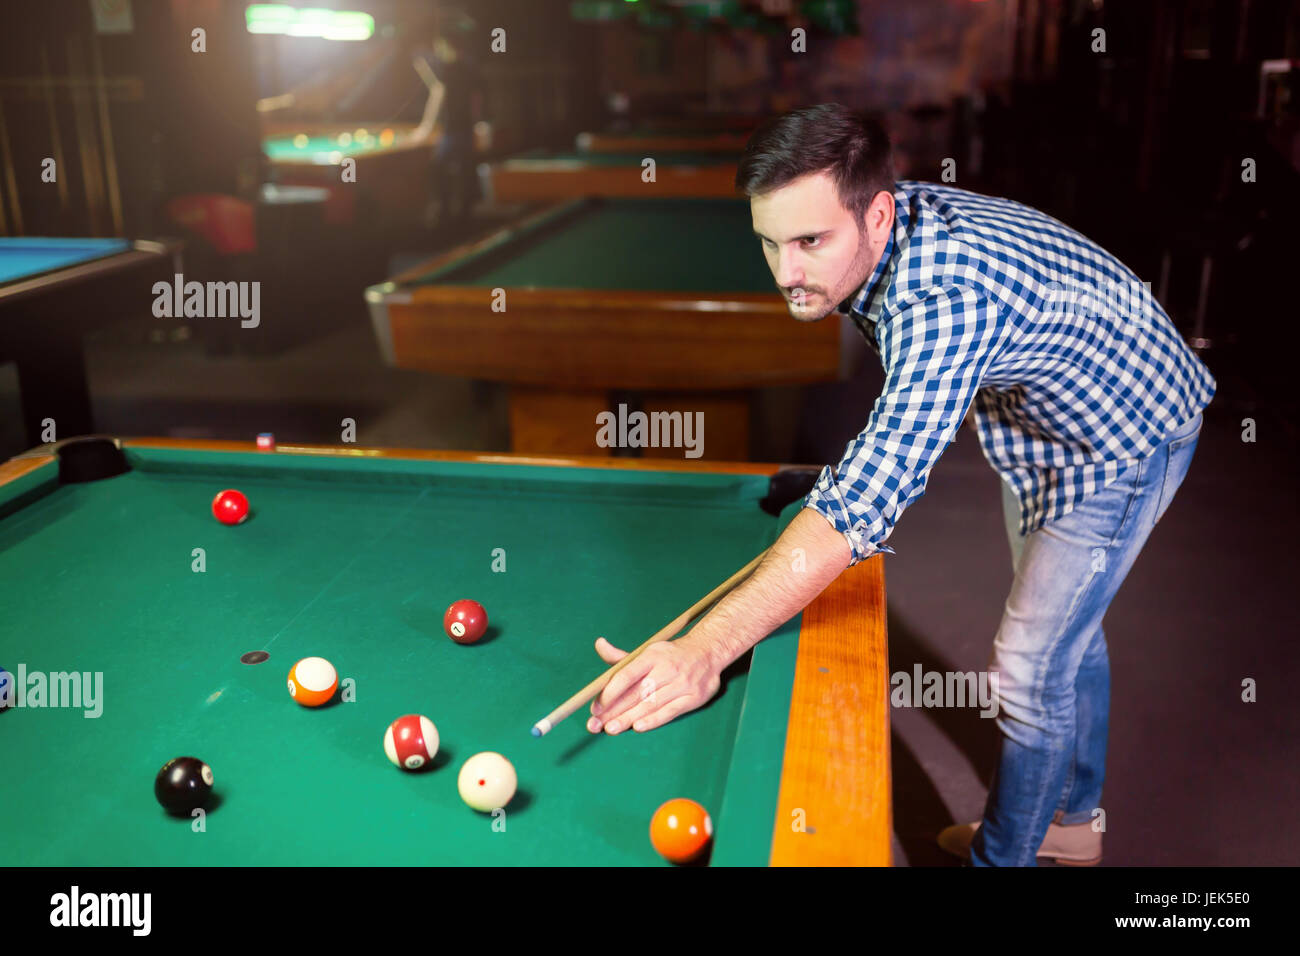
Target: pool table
(352,554)
(664,303)
(394,164)
(649,140)
(703,120)
(53,292)
(539,175)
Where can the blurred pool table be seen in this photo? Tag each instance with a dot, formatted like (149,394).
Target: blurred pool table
(539,175)
(353,554)
(649,140)
(702,120)
(53,292)
(669,299)
(394,164)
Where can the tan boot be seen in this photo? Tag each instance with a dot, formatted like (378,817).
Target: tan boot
(1075,844)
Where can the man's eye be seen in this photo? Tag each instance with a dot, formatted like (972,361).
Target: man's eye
(811,240)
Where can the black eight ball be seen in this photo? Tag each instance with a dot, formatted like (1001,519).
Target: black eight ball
(183,784)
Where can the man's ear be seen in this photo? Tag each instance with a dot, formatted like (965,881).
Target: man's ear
(880,212)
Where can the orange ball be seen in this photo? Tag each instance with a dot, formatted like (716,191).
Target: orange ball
(680,830)
(313,681)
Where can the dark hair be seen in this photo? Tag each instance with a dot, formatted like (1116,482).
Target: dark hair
(852,147)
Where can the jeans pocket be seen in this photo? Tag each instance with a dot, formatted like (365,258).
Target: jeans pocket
(1178,457)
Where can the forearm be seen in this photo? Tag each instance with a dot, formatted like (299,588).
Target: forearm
(807,557)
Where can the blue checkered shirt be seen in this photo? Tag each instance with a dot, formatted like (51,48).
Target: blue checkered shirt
(1071,370)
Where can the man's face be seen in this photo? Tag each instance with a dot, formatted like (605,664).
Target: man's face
(818,252)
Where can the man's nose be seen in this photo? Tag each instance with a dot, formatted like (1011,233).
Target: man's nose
(789,270)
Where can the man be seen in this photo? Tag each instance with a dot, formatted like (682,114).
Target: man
(1087,403)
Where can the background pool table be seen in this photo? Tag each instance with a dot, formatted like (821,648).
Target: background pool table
(53,291)
(670,299)
(393,165)
(353,554)
(647,140)
(317,146)
(539,175)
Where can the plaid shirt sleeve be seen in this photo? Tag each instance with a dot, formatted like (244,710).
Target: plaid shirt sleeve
(935,351)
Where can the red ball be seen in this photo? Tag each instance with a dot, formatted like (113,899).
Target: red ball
(411,741)
(230,507)
(465,622)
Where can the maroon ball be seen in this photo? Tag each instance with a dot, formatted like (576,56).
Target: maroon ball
(465,622)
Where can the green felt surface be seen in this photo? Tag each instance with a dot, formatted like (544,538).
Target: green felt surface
(355,560)
(684,245)
(320,150)
(25,256)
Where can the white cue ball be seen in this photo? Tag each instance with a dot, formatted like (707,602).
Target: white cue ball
(487,781)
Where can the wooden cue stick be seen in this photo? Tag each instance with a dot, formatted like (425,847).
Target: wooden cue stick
(56,141)
(11,182)
(106,125)
(87,143)
(544,726)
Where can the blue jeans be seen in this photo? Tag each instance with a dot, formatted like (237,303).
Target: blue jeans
(1049,654)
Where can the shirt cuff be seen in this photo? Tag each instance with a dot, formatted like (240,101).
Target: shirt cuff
(862,525)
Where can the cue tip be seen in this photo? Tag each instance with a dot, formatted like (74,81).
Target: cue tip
(541,728)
